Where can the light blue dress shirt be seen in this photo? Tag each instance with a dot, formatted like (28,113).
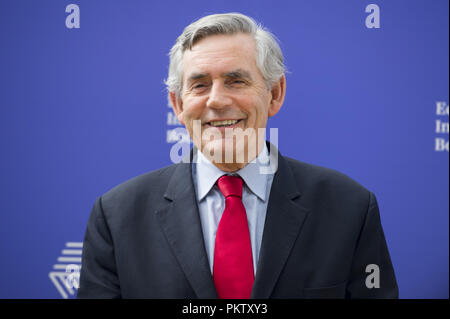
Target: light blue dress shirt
(211,202)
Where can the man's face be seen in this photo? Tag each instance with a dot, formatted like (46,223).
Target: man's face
(221,82)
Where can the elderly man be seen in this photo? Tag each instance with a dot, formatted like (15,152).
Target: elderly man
(223,225)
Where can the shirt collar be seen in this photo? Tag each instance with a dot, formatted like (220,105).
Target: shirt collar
(207,174)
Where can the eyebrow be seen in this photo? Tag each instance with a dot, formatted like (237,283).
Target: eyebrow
(235,74)
(239,73)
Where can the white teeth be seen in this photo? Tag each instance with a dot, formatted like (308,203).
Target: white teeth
(222,123)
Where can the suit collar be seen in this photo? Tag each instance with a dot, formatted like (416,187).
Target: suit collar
(205,175)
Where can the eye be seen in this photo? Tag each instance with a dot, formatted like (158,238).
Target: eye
(198,86)
(237,82)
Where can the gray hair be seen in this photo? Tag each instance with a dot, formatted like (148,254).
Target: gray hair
(269,57)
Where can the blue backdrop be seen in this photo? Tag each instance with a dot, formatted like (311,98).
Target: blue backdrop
(84,109)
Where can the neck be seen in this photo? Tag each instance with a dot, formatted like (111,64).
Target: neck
(230,167)
(237,162)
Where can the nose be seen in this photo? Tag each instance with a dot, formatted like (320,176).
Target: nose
(218,97)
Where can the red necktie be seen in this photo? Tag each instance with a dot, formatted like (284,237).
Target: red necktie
(233,263)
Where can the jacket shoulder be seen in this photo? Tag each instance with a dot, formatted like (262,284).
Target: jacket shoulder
(138,190)
(313,177)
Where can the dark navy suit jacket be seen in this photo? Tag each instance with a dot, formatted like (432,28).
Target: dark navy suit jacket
(144,239)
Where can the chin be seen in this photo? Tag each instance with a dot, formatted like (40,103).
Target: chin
(219,150)
(225,152)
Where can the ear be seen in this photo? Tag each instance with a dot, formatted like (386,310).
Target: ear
(278,92)
(177,105)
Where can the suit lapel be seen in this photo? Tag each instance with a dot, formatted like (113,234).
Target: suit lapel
(284,220)
(181,224)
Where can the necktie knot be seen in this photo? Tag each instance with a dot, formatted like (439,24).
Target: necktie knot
(230,185)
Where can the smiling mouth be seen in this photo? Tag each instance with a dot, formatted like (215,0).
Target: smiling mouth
(224,123)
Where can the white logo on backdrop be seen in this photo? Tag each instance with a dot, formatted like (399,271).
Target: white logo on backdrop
(66,273)
(373,19)
(441,128)
(73,19)
(178,133)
